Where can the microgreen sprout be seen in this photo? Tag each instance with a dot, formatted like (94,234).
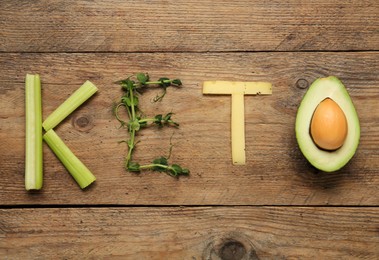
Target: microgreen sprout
(133,87)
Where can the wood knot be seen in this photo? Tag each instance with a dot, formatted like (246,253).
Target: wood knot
(230,247)
(302,83)
(232,250)
(83,123)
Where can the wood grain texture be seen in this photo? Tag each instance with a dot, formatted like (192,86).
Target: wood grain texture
(187,25)
(190,233)
(276,172)
(276,207)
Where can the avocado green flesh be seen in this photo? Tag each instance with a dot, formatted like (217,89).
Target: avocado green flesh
(328,161)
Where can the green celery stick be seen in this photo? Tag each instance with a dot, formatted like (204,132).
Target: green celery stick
(68,106)
(77,169)
(33,135)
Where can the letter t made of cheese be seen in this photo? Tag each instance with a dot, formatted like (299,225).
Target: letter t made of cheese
(237,90)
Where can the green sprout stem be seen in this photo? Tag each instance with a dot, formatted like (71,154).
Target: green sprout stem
(132,105)
(173,170)
(154,120)
(153,165)
(131,146)
(146,120)
(165,81)
(116,113)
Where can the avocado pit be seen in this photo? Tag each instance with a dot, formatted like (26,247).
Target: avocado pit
(328,126)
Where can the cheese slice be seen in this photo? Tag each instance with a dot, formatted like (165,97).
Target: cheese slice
(238,129)
(231,87)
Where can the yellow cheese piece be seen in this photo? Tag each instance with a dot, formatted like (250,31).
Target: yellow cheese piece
(231,87)
(237,89)
(238,129)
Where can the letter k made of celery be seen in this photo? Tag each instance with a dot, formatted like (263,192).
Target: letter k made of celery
(33,154)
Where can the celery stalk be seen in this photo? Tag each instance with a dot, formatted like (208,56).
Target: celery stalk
(77,169)
(68,106)
(33,135)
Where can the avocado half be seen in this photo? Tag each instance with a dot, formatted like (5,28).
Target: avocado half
(328,161)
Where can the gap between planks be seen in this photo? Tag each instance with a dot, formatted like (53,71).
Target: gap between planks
(67,206)
(189,52)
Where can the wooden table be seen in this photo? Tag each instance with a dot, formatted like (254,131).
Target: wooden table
(276,206)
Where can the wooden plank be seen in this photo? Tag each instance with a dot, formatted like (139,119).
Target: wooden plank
(188,25)
(276,172)
(190,233)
